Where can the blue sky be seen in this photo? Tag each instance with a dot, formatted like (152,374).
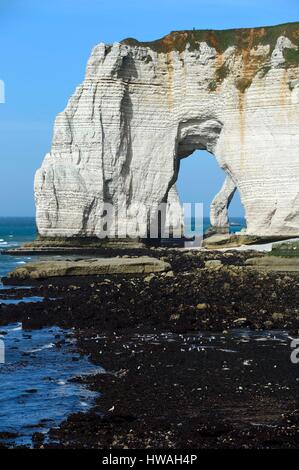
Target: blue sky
(45,45)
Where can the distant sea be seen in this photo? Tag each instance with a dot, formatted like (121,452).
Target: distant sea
(13,232)
(17,230)
(198,226)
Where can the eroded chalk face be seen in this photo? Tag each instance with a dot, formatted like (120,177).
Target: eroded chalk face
(144,106)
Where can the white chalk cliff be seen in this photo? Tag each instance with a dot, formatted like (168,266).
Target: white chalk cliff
(144,106)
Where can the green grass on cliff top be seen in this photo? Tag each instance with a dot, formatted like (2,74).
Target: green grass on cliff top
(246,38)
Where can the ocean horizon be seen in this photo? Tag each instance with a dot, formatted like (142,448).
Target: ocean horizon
(15,230)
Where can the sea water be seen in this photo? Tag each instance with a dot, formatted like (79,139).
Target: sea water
(13,233)
(199,226)
(35,388)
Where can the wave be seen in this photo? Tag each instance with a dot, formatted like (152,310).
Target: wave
(46,346)
(9,244)
(17,328)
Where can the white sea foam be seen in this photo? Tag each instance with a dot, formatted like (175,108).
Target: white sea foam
(9,244)
(17,328)
(46,346)
(227,350)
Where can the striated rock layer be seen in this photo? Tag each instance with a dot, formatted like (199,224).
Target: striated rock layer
(89,267)
(144,106)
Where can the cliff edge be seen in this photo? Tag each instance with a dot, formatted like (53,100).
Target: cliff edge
(143,106)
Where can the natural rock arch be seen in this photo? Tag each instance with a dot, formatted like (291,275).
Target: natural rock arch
(142,106)
(196,134)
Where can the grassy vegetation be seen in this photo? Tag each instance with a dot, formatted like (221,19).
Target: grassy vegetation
(242,39)
(212,86)
(290,30)
(243,83)
(291,56)
(264,70)
(221,40)
(222,72)
(148,59)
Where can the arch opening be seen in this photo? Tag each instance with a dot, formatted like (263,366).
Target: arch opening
(202,180)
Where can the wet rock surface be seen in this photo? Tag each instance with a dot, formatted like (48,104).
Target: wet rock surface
(88,267)
(193,358)
(275,263)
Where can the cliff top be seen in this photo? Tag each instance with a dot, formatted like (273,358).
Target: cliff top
(246,38)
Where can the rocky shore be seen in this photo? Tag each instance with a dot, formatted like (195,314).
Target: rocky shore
(183,369)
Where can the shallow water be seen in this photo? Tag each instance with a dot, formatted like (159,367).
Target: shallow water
(14,231)
(241,361)
(35,388)
(19,301)
(204,341)
(35,392)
